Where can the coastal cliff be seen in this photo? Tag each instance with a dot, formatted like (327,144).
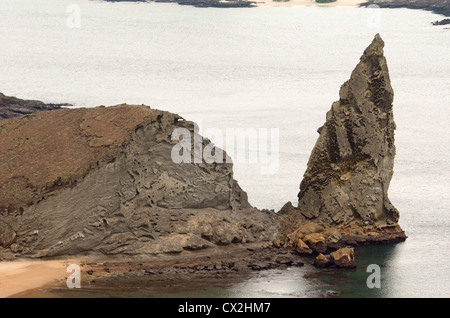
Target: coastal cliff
(343,196)
(101,180)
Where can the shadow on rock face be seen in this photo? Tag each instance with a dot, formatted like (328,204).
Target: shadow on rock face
(344,192)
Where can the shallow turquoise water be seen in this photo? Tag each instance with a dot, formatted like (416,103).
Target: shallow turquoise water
(260,68)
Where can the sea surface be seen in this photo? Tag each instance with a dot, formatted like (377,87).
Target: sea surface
(265,67)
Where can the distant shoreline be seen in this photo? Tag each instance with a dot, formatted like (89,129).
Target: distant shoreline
(428,5)
(250,3)
(272,3)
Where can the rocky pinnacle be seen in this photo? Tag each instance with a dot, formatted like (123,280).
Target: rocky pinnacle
(351,165)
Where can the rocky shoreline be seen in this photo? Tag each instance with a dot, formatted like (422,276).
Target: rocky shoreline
(222,263)
(187,272)
(103,182)
(443,7)
(438,7)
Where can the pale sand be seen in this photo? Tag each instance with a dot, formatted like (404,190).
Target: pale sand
(308,3)
(20,276)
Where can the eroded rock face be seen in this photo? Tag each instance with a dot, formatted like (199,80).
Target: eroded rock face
(345,187)
(351,166)
(102,180)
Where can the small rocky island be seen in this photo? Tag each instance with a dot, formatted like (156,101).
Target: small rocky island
(343,198)
(101,182)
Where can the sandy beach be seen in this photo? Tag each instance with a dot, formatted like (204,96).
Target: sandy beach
(20,276)
(309,3)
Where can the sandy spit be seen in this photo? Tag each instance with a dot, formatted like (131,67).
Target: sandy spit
(21,276)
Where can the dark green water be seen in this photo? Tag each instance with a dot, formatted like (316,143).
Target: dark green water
(353,283)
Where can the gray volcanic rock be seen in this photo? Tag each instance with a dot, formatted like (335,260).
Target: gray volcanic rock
(12,106)
(7,234)
(343,198)
(351,166)
(101,180)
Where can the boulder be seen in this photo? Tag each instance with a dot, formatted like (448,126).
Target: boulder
(323,261)
(344,258)
(301,247)
(316,241)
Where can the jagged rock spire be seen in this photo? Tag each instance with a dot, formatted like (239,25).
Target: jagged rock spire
(350,168)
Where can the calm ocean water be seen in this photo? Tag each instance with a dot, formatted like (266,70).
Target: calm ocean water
(267,67)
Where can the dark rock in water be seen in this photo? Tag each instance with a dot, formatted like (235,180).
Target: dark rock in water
(12,106)
(345,187)
(103,180)
(442,22)
(342,258)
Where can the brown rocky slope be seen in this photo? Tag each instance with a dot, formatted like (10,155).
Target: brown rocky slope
(101,180)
